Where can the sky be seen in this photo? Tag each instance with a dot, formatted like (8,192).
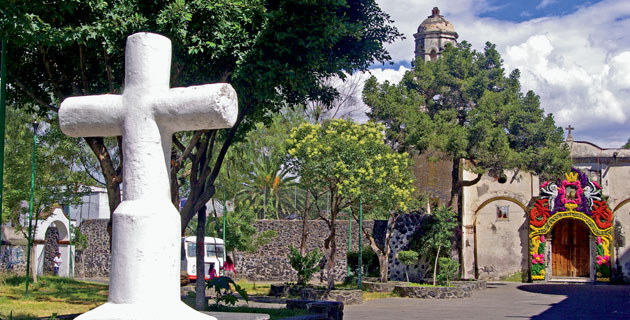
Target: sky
(574,54)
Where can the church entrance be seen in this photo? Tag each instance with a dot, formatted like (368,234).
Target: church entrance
(570,249)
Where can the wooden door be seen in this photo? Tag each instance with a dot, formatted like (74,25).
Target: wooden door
(570,249)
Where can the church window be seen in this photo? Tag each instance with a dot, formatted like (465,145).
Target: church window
(433,55)
(503,213)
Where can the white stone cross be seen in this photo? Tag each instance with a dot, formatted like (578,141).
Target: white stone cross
(145,265)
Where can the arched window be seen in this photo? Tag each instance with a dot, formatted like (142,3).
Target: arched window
(433,55)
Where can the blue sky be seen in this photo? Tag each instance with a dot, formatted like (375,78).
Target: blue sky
(574,54)
(523,10)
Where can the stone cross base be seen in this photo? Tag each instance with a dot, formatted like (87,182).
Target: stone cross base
(147,240)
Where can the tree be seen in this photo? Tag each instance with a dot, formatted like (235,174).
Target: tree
(408,258)
(464,106)
(55,181)
(344,162)
(436,235)
(274,53)
(304,265)
(627,145)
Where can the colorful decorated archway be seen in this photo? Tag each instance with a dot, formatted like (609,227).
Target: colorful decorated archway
(574,197)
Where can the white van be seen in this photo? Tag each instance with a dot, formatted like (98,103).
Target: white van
(213,259)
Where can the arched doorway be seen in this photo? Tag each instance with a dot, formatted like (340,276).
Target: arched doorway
(570,249)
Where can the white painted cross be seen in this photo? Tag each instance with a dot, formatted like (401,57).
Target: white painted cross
(144,276)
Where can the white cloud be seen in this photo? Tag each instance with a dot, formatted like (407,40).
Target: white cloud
(578,63)
(545,3)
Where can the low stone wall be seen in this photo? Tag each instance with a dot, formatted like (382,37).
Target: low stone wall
(329,310)
(348,297)
(462,289)
(284,290)
(13,259)
(380,286)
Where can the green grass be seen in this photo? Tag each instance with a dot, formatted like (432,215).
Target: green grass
(254,288)
(49,295)
(515,277)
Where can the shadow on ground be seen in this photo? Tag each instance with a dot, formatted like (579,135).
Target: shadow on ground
(584,301)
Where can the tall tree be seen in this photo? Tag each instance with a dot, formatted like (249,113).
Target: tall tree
(465,106)
(272,52)
(346,162)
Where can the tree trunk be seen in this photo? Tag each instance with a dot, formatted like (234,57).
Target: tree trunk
(200,283)
(331,245)
(437,256)
(304,218)
(113,177)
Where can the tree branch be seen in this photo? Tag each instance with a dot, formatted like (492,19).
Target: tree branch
(469,183)
(86,88)
(35,99)
(43,53)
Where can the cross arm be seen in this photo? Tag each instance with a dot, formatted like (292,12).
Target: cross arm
(211,106)
(92,116)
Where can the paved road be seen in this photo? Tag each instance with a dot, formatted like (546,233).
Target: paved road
(507,301)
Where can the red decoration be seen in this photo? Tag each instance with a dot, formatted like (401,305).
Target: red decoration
(602,215)
(540,213)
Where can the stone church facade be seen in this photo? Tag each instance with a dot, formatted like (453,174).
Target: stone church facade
(570,229)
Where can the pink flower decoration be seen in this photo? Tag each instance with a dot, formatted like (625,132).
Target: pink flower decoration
(542,238)
(544,184)
(599,240)
(605,260)
(534,261)
(596,184)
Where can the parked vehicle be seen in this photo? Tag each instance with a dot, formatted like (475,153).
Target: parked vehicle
(213,260)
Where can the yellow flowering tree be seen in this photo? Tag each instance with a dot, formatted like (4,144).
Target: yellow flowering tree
(344,162)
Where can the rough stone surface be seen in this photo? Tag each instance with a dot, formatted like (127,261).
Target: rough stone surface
(406,229)
(50,249)
(270,262)
(332,310)
(13,259)
(379,286)
(348,297)
(94,261)
(461,289)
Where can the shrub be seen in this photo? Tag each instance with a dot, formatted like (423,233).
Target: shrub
(369,259)
(447,269)
(223,288)
(408,258)
(306,265)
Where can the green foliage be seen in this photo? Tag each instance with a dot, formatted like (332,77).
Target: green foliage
(436,235)
(447,270)
(464,106)
(79,239)
(627,145)
(369,260)
(240,232)
(344,161)
(55,180)
(408,257)
(222,286)
(436,231)
(306,265)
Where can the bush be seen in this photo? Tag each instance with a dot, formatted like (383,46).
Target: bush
(447,269)
(408,258)
(223,288)
(305,266)
(369,260)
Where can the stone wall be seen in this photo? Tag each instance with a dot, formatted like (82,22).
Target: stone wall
(95,260)
(271,263)
(406,229)
(13,259)
(50,249)
(433,178)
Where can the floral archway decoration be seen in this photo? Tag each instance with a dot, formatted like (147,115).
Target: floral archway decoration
(575,197)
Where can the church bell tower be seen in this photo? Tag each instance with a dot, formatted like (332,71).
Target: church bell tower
(433,35)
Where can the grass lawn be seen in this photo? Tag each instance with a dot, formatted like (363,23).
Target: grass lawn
(253,288)
(49,295)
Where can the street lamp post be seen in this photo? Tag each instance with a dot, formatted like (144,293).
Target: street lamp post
(30,206)
(360,244)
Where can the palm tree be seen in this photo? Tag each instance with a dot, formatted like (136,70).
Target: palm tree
(270,187)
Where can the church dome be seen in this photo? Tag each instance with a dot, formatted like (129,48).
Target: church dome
(435,22)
